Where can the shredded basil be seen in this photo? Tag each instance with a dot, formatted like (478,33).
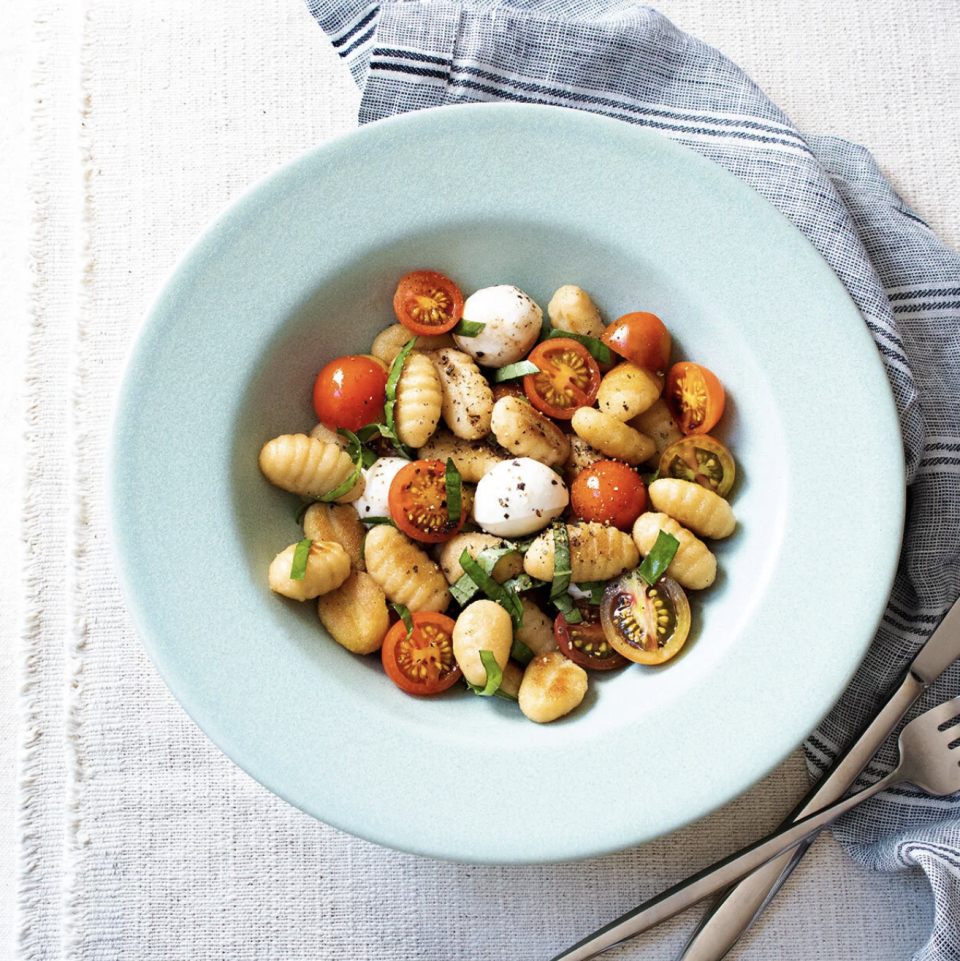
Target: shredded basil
(389,429)
(521,653)
(655,564)
(494,676)
(500,692)
(465,587)
(506,599)
(467,328)
(454,500)
(562,571)
(405,616)
(597,348)
(303,511)
(520,369)
(301,554)
(379,520)
(648,479)
(355,451)
(596,589)
(522,582)
(523,545)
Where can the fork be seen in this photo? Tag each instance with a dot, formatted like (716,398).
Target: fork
(927,759)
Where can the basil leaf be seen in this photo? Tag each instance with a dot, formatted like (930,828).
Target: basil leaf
(520,369)
(405,616)
(379,520)
(369,457)
(494,676)
(562,571)
(452,481)
(389,429)
(303,511)
(465,587)
(301,553)
(506,599)
(648,479)
(655,564)
(523,545)
(499,692)
(467,328)
(596,589)
(521,653)
(522,582)
(356,455)
(597,348)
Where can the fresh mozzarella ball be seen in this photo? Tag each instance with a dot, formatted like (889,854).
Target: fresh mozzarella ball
(518,497)
(513,325)
(374,502)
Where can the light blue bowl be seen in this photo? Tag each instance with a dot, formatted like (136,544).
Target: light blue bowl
(302,269)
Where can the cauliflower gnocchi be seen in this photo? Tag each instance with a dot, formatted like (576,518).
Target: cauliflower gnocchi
(436,487)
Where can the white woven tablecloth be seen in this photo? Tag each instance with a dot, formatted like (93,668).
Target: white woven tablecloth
(129,834)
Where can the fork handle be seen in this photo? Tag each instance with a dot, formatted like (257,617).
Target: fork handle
(716,878)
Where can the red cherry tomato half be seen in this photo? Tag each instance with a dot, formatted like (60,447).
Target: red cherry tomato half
(422,663)
(642,339)
(585,643)
(350,392)
(569,378)
(695,397)
(427,302)
(609,492)
(418,502)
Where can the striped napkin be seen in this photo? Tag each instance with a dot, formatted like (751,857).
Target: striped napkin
(629,62)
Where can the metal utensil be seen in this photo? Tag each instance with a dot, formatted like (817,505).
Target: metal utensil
(928,759)
(729,917)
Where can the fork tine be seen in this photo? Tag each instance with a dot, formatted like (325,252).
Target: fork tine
(942,712)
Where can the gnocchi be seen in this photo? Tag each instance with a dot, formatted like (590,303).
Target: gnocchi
(467,398)
(307,467)
(628,390)
(328,566)
(552,686)
(525,432)
(697,508)
(356,614)
(612,437)
(404,572)
(451,459)
(693,566)
(481,626)
(419,401)
(597,553)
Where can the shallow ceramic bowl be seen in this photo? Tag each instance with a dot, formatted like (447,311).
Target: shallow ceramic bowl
(302,269)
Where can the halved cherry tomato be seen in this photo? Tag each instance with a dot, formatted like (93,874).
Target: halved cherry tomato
(642,339)
(350,392)
(585,643)
(424,662)
(418,502)
(427,302)
(646,624)
(695,397)
(609,492)
(702,460)
(569,378)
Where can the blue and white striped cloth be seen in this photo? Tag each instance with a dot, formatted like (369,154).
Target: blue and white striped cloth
(629,62)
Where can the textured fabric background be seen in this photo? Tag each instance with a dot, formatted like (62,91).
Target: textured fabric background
(135,837)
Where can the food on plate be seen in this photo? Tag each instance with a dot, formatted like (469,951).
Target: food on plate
(307,569)
(693,566)
(309,467)
(404,572)
(552,686)
(356,614)
(467,398)
(572,311)
(525,432)
(439,526)
(628,390)
(612,436)
(698,508)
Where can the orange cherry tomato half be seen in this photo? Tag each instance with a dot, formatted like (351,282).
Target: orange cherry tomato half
(585,643)
(695,397)
(609,492)
(640,338)
(422,663)
(701,460)
(569,378)
(350,392)
(427,302)
(418,502)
